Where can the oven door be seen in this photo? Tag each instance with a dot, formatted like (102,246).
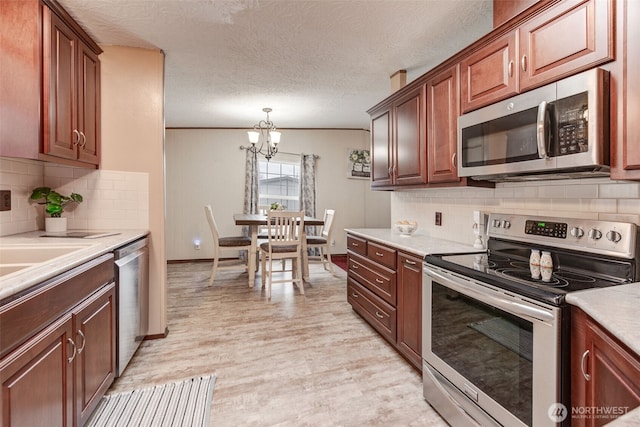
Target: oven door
(490,357)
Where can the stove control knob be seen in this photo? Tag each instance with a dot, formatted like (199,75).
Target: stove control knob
(577,232)
(506,224)
(497,223)
(595,234)
(614,236)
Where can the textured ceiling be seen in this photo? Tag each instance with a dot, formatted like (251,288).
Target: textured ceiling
(316,63)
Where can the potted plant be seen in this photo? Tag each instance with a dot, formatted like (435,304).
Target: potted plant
(54,206)
(275,206)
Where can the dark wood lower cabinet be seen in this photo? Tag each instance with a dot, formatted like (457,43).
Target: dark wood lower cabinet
(384,286)
(55,375)
(605,374)
(409,322)
(37,380)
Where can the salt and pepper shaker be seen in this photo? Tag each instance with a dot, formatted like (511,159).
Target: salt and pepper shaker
(534,263)
(546,266)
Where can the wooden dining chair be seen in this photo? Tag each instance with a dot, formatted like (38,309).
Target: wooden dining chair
(323,241)
(284,242)
(224,244)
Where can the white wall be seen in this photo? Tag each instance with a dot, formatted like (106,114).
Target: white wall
(597,198)
(206,166)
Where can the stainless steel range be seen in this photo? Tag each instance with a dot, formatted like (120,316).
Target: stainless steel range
(495,323)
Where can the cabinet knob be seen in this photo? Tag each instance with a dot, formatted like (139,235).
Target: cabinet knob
(523,62)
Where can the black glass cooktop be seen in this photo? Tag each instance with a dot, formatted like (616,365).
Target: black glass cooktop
(508,268)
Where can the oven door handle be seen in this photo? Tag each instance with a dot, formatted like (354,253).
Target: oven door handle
(541,126)
(513,307)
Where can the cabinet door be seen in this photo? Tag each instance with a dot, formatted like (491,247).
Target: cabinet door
(573,36)
(88,105)
(625,156)
(94,326)
(37,380)
(442,120)
(381,149)
(410,151)
(60,97)
(605,375)
(490,74)
(409,308)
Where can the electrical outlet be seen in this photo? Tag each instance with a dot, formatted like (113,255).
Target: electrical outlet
(438,218)
(333,242)
(5,200)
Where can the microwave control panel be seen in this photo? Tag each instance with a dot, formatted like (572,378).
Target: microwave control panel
(572,115)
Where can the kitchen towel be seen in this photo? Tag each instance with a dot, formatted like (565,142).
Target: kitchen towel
(183,403)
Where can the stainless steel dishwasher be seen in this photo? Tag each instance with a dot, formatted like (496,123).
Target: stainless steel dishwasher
(132,299)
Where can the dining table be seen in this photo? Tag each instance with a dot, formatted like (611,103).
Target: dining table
(254,222)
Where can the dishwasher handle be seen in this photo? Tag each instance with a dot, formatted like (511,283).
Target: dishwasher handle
(124,251)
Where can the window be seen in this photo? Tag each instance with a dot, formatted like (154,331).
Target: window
(279,181)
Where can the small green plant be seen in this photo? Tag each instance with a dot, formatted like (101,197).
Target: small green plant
(275,206)
(54,202)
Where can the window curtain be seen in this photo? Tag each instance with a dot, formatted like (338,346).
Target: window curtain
(308,193)
(251,195)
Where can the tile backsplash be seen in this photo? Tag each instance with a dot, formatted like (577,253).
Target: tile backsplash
(596,198)
(112,199)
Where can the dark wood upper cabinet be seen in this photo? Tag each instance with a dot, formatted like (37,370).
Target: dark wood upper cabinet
(568,37)
(398,141)
(625,91)
(50,88)
(442,126)
(574,35)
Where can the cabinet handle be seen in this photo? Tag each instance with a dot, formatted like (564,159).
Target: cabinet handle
(379,316)
(379,281)
(355,295)
(453,160)
(510,68)
(390,170)
(523,62)
(84,139)
(77,137)
(409,262)
(379,254)
(355,267)
(355,244)
(84,341)
(73,356)
(584,373)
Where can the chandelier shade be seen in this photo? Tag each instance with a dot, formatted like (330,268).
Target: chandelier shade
(264,133)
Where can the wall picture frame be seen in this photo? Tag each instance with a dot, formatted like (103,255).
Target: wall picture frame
(358,163)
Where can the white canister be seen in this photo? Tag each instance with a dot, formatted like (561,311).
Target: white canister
(534,263)
(546,266)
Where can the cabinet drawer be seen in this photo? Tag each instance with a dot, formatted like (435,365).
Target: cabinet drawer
(357,245)
(41,305)
(376,312)
(377,279)
(382,254)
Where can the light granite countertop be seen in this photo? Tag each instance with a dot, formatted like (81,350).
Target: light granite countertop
(418,243)
(13,283)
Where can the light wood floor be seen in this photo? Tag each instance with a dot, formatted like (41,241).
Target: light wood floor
(294,361)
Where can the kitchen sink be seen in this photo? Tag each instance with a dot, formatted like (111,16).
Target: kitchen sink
(17,257)
(33,254)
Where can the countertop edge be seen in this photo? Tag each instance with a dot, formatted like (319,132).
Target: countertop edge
(418,243)
(14,283)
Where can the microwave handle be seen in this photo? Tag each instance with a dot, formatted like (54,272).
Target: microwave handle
(542,130)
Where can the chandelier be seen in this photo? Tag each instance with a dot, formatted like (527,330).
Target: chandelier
(265,132)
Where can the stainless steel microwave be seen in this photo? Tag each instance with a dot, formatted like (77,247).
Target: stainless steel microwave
(560,130)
